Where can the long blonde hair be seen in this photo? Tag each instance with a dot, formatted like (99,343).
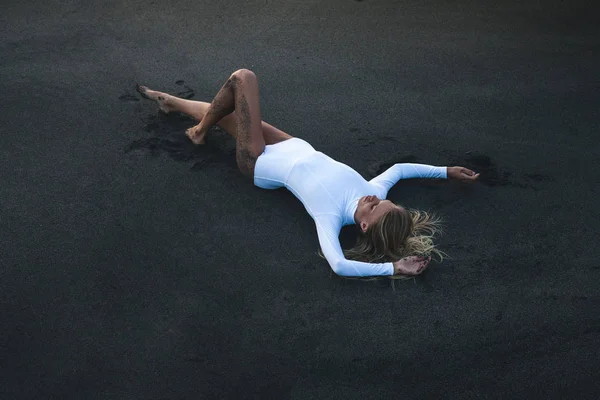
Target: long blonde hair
(397,234)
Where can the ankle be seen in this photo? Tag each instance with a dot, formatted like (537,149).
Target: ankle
(165,99)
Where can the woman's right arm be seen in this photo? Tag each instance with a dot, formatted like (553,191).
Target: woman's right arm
(328,229)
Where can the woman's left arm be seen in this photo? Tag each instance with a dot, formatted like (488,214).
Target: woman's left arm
(409,170)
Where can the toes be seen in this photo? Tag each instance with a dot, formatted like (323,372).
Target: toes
(193,135)
(196,140)
(142,91)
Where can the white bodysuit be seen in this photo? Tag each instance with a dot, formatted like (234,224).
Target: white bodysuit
(330,192)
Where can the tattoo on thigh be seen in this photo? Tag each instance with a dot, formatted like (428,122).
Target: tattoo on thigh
(245,159)
(243,115)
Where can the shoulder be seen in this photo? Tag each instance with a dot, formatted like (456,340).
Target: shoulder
(329,219)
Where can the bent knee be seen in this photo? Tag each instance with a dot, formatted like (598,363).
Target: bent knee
(243,74)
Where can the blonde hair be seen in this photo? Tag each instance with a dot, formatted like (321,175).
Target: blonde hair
(397,234)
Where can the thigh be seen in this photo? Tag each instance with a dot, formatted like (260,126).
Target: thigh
(273,135)
(250,142)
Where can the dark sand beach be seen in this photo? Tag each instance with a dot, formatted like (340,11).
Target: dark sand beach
(136,266)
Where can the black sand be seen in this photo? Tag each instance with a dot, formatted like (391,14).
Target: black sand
(136,267)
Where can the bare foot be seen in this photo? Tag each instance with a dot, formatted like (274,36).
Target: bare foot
(162,99)
(195,135)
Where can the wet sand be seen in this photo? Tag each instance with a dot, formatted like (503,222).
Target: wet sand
(134,265)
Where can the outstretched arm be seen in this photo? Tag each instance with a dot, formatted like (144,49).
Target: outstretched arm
(408,171)
(328,229)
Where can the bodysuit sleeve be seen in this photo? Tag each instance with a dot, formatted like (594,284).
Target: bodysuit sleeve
(328,229)
(407,171)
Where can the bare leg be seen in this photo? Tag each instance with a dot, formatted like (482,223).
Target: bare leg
(223,104)
(197,110)
(239,93)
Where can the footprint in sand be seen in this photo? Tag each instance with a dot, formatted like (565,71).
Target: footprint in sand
(128,97)
(187,93)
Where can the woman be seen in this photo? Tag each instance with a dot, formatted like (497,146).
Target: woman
(393,240)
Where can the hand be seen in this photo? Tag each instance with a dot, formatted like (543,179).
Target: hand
(413,265)
(462,174)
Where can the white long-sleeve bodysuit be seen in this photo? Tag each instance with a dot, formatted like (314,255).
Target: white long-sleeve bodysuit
(330,192)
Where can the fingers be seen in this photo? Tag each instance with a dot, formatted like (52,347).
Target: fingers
(467,172)
(470,178)
(416,259)
(463,174)
(468,175)
(414,265)
(423,264)
(419,263)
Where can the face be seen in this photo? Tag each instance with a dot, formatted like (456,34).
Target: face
(370,209)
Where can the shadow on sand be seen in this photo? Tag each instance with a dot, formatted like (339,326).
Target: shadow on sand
(167,135)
